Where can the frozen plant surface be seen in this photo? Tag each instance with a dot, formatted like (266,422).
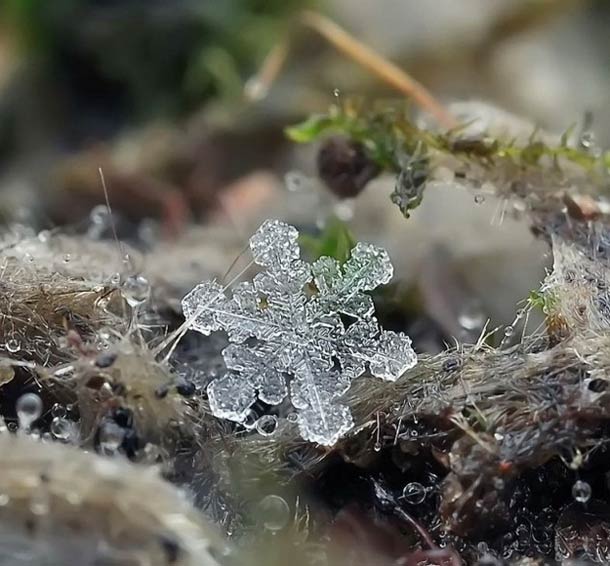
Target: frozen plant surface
(299,329)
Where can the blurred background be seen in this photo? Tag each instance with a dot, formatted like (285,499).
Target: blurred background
(151,91)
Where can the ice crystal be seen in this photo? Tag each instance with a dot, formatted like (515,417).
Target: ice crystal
(299,330)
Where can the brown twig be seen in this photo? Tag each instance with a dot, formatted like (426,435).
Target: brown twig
(357,51)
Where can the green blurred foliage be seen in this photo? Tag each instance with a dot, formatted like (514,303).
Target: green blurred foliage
(165,56)
(334,241)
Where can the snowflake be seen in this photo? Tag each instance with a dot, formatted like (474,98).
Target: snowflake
(299,330)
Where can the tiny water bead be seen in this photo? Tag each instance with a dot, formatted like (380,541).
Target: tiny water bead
(581,491)
(99,215)
(344,210)
(111,437)
(136,290)
(29,409)
(13,345)
(479,198)
(471,316)
(62,428)
(274,512)
(414,493)
(295,181)
(266,425)
(509,331)
(44,236)
(67,258)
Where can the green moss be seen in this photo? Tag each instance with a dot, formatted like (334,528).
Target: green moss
(334,241)
(392,140)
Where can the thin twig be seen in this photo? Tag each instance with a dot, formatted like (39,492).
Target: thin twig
(357,51)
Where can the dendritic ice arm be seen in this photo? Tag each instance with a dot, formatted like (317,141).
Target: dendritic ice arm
(341,287)
(299,330)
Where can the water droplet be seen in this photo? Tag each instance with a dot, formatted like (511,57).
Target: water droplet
(111,437)
(479,198)
(152,454)
(377,447)
(292,418)
(28,258)
(266,425)
(62,428)
(509,331)
(255,88)
(99,215)
(127,262)
(67,258)
(44,236)
(581,491)
(274,512)
(471,317)
(414,493)
(29,408)
(13,345)
(344,210)
(336,93)
(136,290)
(295,181)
